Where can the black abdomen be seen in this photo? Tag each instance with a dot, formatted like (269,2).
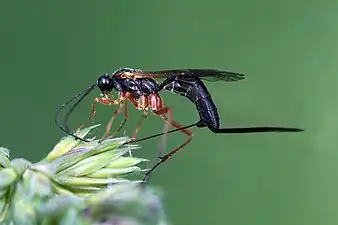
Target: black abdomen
(208,113)
(193,88)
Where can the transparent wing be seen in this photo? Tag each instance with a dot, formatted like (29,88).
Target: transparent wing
(205,74)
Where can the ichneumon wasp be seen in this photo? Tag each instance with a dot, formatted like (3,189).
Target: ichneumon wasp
(142,90)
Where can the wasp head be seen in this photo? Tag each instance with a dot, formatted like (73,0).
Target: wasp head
(105,83)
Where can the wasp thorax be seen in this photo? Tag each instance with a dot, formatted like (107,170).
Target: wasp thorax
(105,83)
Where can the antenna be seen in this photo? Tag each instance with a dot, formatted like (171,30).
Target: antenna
(65,128)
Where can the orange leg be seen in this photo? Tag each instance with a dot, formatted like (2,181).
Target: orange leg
(139,124)
(125,104)
(165,113)
(140,104)
(90,117)
(103,101)
(133,101)
(166,117)
(121,98)
(110,123)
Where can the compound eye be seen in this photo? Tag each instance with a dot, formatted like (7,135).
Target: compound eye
(104,83)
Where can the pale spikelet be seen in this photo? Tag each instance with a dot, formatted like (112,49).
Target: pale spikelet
(78,183)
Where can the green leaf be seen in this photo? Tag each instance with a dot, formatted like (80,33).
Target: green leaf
(93,163)
(7,177)
(37,184)
(124,162)
(109,172)
(20,165)
(68,143)
(71,217)
(85,181)
(21,210)
(4,151)
(66,161)
(140,204)
(61,190)
(56,207)
(4,157)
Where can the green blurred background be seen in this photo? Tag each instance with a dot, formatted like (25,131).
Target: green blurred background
(287,49)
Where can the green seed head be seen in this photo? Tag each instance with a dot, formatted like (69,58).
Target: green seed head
(78,183)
